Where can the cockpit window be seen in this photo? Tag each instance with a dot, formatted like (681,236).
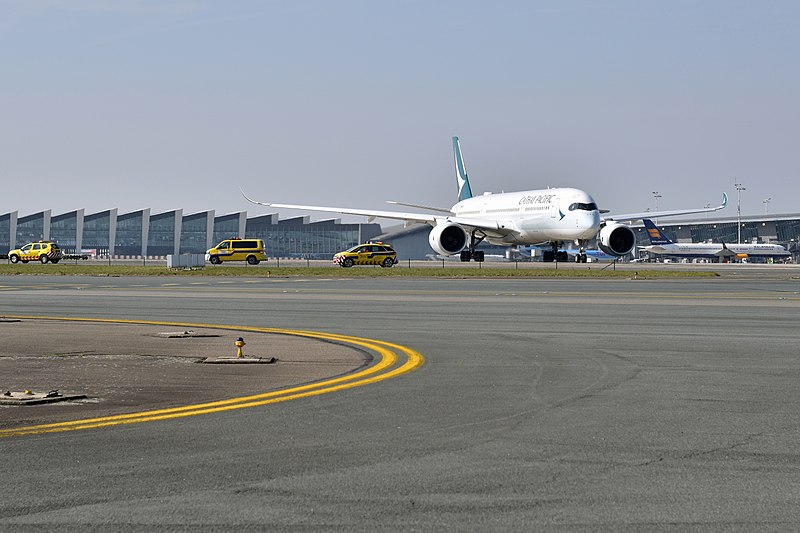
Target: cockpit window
(583,207)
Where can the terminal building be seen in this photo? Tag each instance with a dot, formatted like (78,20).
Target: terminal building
(142,234)
(774,229)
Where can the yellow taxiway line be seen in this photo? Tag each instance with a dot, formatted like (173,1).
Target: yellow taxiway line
(385,368)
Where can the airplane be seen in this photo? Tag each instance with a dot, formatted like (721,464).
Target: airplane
(549,216)
(661,245)
(575,254)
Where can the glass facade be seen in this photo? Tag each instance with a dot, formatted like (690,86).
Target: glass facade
(97,233)
(161,238)
(64,231)
(194,233)
(129,234)
(296,238)
(5,233)
(30,228)
(299,237)
(225,227)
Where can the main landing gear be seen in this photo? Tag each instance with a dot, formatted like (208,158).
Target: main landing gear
(548,256)
(472,253)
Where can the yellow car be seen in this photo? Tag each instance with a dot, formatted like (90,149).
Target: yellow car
(250,250)
(376,253)
(42,251)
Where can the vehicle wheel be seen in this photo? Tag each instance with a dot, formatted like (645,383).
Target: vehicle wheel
(252,260)
(348,262)
(14,259)
(43,259)
(388,262)
(55,261)
(215,260)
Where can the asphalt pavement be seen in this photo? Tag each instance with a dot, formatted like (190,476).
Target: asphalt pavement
(617,405)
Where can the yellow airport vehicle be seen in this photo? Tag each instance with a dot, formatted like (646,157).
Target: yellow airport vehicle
(371,253)
(42,251)
(250,250)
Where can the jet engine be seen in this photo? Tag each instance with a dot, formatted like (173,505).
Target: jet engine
(616,239)
(448,238)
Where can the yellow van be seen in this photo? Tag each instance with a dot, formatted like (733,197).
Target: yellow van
(250,250)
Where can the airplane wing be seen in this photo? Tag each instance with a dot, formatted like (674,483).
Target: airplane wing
(417,206)
(370,214)
(659,214)
(725,252)
(493,227)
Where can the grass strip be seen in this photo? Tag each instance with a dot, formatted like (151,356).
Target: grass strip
(266,270)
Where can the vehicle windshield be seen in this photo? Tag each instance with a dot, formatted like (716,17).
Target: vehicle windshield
(223,245)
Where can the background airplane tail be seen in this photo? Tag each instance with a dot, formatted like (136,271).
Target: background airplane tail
(655,234)
(464,190)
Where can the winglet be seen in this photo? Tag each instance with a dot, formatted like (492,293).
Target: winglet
(724,199)
(464,190)
(250,199)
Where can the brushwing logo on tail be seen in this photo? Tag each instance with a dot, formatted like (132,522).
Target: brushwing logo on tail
(655,234)
(464,190)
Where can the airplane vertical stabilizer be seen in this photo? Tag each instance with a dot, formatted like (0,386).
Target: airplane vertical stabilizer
(655,234)
(464,190)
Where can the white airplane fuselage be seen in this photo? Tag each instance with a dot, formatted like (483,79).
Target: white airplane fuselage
(717,250)
(558,214)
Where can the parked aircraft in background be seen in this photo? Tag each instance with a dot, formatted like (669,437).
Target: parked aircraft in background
(544,216)
(661,245)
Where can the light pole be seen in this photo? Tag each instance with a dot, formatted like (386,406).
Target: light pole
(739,189)
(656,195)
(766,202)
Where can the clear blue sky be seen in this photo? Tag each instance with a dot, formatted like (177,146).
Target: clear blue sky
(176,103)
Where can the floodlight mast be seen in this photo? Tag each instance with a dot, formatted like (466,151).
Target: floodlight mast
(739,189)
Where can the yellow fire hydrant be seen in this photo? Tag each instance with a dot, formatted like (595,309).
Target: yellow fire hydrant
(239,344)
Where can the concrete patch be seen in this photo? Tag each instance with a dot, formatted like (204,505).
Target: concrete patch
(239,360)
(33,398)
(184,334)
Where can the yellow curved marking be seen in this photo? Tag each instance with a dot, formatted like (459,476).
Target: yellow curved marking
(382,370)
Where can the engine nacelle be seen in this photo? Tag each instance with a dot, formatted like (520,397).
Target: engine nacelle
(448,238)
(616,239)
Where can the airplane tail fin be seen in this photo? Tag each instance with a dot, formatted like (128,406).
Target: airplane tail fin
(464,190)
(655,234)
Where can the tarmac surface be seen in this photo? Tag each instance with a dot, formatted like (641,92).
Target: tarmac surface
(121,368)
(543,404)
